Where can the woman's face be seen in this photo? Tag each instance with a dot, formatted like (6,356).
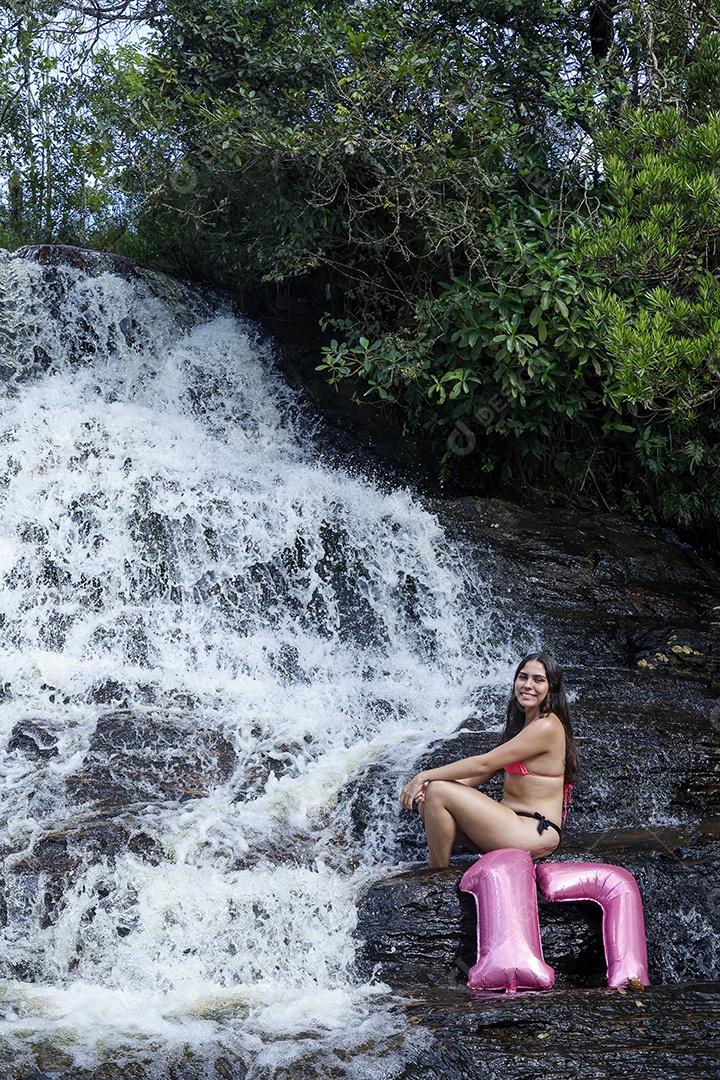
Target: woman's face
(531,686)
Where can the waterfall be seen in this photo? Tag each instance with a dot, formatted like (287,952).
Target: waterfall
(217,646)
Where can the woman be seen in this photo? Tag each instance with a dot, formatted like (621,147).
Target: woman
(537,751)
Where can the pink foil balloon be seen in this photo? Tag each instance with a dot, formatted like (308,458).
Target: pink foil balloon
(616,891)
(509,952)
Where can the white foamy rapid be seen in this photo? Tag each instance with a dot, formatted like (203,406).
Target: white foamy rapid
(207,639)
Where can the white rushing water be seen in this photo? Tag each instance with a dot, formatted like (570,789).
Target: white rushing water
(208,638)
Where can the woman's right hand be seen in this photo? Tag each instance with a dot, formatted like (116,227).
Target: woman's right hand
(413,792)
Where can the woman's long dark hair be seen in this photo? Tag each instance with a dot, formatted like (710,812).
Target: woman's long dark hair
(555,702)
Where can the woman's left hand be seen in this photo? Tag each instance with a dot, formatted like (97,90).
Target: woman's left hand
(413,792)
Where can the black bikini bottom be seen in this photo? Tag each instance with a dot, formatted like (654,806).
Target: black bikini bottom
(543,822)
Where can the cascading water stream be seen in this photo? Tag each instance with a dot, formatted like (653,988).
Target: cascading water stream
(209,638)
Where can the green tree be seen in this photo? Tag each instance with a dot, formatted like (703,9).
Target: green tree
(360,144)
(657,245)
(53,147)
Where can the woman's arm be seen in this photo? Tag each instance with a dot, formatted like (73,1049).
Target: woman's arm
(472,771)
(535,739)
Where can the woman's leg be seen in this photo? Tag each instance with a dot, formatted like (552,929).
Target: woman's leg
(451,808)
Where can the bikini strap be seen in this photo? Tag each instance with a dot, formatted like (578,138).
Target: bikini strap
(567,799)
(543,821)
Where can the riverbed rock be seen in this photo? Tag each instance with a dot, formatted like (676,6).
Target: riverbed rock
(598,581)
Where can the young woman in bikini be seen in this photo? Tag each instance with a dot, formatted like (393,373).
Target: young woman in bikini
(538,755)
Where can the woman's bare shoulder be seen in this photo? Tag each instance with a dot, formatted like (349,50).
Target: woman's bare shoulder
(549,724)
(547,721)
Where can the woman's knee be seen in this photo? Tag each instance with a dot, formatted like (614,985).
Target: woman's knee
(437,791)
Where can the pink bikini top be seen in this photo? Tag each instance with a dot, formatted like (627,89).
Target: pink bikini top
(519,768)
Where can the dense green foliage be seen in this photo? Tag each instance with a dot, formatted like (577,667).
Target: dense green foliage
(504,213)
(658,251)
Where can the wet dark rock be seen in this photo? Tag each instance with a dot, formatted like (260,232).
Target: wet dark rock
(598,580)
(428,933)
(134,758)
(32,741)
(132,761)
(414,927)
(108,692)
(48,1060)
(81,840)
(92,262)
(54,258)
(146,847)
(691,650)
(663,1032)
